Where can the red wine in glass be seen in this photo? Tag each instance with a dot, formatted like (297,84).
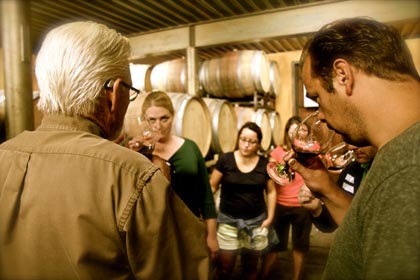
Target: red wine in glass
(311,138)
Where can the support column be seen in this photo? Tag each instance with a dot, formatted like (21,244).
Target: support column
(192,77)
(19,115)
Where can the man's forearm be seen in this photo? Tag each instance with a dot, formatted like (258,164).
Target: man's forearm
(337,202)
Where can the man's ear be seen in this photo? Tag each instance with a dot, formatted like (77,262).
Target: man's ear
(113,87)
(344,74)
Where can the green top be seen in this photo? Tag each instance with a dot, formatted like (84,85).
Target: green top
(190,180)
(380,235)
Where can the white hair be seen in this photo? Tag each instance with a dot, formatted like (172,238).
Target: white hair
(73,64)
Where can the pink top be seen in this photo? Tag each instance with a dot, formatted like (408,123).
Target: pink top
(287,194)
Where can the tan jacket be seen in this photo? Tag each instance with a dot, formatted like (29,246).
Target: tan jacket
(76,206)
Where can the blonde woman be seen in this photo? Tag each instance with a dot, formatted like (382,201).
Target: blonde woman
(189,176)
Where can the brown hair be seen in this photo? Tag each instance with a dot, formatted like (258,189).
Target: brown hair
(373,47)
(287,143)
(252,126)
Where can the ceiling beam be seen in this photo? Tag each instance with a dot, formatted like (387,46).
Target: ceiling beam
(301,20)
(160,43)
(284,22)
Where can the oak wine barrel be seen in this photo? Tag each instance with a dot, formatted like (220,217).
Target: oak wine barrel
(170,76)
(276,128)
(275,86)
(224,124)
(236,74)
(192,119)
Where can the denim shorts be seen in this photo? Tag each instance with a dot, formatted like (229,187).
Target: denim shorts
(229,239)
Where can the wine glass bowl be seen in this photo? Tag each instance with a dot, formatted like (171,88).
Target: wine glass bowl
(311,137)
(138,135)
(280,173)
(339,156)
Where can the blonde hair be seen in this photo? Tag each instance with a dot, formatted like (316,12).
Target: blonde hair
(159,99)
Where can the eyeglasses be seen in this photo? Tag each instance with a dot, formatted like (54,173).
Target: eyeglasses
(249,141)
(133,91)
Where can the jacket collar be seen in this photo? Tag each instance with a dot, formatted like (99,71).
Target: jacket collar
(70,123)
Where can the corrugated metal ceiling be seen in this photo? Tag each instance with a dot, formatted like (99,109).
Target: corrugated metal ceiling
(131,16)
(139,16)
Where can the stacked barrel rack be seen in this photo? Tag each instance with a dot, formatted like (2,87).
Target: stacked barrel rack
(236,87)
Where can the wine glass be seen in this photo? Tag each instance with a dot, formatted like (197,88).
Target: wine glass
(338,156)
(138,135)
(310,138)
(280,173)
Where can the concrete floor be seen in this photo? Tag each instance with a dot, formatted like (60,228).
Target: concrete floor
(314,264)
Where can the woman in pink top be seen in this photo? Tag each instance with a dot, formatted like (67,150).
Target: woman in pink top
(289,212)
